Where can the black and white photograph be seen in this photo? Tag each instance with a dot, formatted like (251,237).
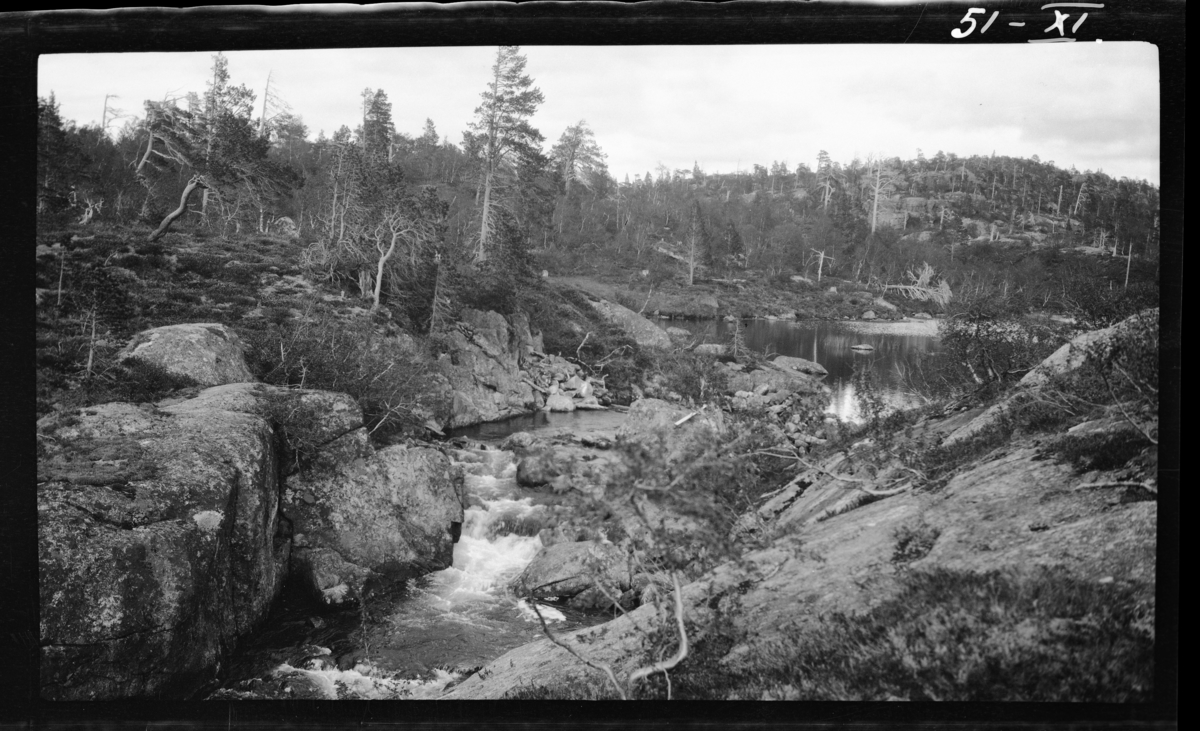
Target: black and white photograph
(487,369)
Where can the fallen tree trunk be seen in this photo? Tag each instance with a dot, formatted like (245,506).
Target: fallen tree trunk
(183,201)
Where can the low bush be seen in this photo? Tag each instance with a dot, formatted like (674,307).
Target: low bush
(981,346)
(1099,451)
(699,379)
(914,542)
(298,423)
(132,381)
(708,485)
(1095,306)
(490,286)
(939,463)
(388,378)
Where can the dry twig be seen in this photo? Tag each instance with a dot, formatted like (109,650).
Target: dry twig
(665,665)
(597,666)
(859,482)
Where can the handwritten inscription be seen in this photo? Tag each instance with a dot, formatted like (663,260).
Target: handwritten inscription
(1062,20)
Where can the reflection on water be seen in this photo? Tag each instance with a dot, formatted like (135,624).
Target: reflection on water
(896,350)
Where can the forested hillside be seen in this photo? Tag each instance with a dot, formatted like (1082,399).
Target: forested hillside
(383,211)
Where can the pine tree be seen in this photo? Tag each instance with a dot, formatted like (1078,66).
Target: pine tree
(503,134)
(577,156)
(377,130)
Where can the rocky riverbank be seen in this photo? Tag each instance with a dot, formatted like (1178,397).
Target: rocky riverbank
(167,530)
(884,580)
(795,298)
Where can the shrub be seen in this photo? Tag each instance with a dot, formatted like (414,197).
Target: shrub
(133,381)
(988,345)
(697,378)
(1043,636)
(1099,306)
(298,424)
(940,462)
(491,286)
(208,266)
(914,542)
(1099,451)
(389,379)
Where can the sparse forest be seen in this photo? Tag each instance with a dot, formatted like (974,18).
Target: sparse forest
(377,206)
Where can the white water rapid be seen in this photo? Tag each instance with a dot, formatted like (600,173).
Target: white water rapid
(452,621)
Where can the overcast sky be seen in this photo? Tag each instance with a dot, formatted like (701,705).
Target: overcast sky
(1092,105)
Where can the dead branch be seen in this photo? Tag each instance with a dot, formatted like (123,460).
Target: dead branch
(597,666)
(647,302)
(1133,382)
(535,387)
(680,654)
(1128,418)
(1120,483)
(685,419)
(194,183)
(859,482)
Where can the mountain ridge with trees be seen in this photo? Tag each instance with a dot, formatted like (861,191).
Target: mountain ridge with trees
(866,221)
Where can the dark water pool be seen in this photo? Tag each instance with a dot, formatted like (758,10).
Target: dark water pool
(893,361)
(581,423)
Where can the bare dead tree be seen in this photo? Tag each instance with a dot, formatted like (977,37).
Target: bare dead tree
(194,183)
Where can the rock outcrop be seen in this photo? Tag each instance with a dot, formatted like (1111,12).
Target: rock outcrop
(1014,513)
(774,378)
(643,332)
(678,334)
(497,369)
(483,368)
(392,513)
(1067,358)
(160,542)
(208,353)
(800,365)
(384,513)
(564,466)
(165,532)
(571,572)
(715,350)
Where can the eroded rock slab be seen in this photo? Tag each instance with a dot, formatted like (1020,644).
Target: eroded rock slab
(643,332)
(1013,513)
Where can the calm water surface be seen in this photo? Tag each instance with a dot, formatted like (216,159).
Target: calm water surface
(897,350)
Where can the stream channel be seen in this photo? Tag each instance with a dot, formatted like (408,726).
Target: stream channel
(434,630)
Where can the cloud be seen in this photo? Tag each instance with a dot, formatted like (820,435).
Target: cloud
(1092,105)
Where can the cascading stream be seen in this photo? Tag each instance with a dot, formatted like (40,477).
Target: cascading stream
(437,628)
(455,620)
